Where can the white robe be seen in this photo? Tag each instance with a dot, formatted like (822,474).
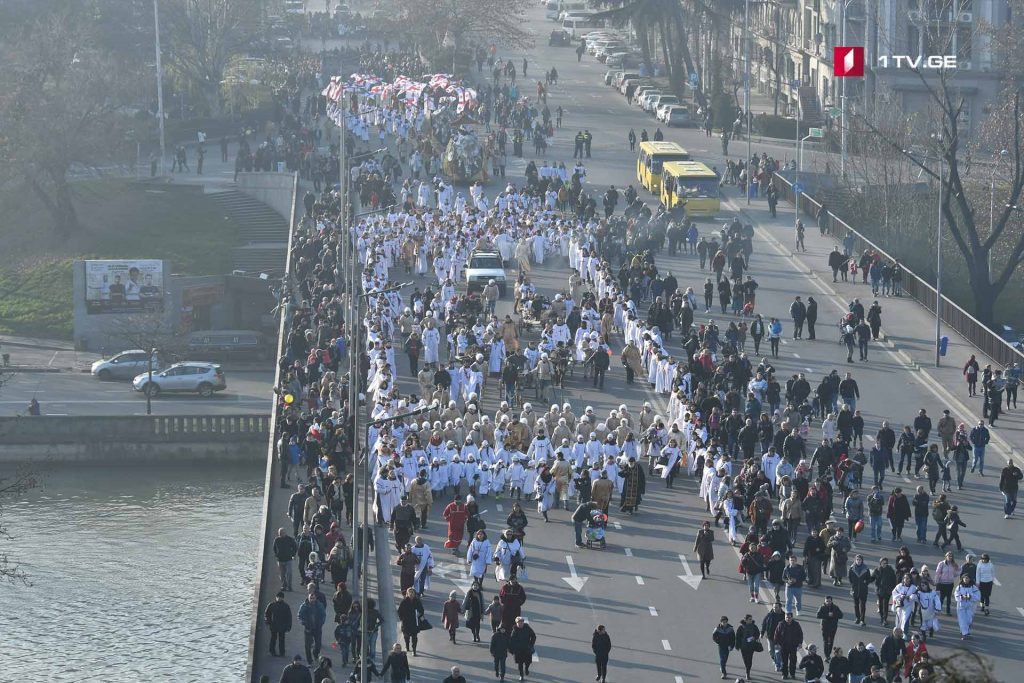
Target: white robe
(431,341)
(504,553)
(389,495)
(482,551)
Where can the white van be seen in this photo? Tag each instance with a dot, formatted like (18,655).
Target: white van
(578,25)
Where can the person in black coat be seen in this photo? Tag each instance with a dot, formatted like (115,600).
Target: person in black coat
(601,644)
(398,664)
(296,672)
(499,651)
(522,643)
(278,617)
(811,316)
(748,636)
(410,613)
(811,664)
(725,637)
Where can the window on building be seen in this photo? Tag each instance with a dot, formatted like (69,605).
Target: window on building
(963,43)
(913,41)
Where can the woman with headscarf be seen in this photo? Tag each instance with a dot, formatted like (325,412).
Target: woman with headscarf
(410,613)
(473,608)
(478,556)
(967,597)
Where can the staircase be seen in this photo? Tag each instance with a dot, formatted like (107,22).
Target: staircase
(810,107)
(262,231)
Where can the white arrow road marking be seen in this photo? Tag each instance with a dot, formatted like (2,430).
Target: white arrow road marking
(574,580)
(689,579)
(653,610)
(456,574)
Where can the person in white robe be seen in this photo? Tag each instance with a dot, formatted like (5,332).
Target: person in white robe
(478,556)
(424,562)
(507,552)
(389,495)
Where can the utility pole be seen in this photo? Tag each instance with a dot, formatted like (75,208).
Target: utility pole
(746,89)
(159,87)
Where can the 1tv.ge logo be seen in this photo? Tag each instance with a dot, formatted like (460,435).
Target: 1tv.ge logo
(848,61)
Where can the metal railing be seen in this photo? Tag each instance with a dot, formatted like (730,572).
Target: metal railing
(256,620)
(72,429)
(977,334)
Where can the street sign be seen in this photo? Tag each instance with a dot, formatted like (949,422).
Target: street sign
(798,188)
(815,132)
(694,78)
(835,112)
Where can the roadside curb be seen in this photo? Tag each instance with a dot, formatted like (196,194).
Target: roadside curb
(15,369)
(1009,450)
(41,347)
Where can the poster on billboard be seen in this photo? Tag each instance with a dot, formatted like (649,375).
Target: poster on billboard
(124,286)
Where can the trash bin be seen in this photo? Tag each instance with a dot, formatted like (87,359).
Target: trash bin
(943,345)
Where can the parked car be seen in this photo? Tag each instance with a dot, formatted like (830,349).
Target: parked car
(610,76)
(189,377)
(620,60)
(559,38)
(124,365)
(643,92)
(648,100)
(678,116)
(662,101)
(624,76)
(225,344)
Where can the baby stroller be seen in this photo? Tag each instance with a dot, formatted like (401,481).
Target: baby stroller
(596,526)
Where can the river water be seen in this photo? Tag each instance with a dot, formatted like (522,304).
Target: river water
(138,574)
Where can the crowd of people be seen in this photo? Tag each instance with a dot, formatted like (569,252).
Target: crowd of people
(747,436)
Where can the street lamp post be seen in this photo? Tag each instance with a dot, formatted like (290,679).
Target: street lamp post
(844,4)
(938,270)
(746,87)
(159,86)
(364,546)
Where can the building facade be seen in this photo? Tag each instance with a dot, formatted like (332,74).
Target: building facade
(792,41)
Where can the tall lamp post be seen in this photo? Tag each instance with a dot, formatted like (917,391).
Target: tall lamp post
(746,87)
(364,548)
(843,4)
(937,140)
(159,86)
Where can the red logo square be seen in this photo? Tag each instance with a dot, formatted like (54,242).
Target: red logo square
(848,61)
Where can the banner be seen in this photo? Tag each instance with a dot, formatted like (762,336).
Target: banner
(126,286)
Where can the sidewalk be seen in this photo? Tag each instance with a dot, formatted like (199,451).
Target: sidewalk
(29,354)
(907,327)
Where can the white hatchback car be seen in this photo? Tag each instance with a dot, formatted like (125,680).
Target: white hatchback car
(189,377)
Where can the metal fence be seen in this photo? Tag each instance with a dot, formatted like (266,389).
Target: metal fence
(152,429)
(987,341)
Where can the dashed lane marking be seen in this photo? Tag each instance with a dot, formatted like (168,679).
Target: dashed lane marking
(629,552)
(666,646)
(796,355)
(499,507)
(617,525)
(653,610)
(640,580)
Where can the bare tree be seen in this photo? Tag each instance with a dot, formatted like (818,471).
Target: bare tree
(201,38)
(150,332)
(12,486)
(456,24)
(942,131)
(60,98)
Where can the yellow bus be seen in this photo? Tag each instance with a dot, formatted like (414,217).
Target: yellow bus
(693,184)
(652,156)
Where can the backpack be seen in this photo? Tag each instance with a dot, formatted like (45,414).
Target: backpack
(938,514)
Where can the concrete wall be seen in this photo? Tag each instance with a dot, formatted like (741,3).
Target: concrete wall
(273,189)
(134,438)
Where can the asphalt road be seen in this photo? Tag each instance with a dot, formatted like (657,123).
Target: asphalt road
(659,616)
(77,393)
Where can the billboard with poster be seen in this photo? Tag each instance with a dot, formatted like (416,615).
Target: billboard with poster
(124,286)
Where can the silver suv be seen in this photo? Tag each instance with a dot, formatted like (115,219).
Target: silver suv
(124,365)
(188,377)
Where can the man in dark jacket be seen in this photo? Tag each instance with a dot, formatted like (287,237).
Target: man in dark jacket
(860,578)
(296,505)
(798,312)
(788,638)
(837,262)
(885,580)
(456,676)
(296,672)
(891,652)
(600,360)
(278,617)
(312,615)
(579,518)
(829,614)
(285,549)
(812,316)
(849,391)
(1009,484)
(499,651)
(771,620)
(811,664)
(601,644)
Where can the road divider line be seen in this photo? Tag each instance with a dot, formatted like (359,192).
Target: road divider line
(629,552)
(640,580)
(499,507)
(665,646)
(617,525)
(653,610)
